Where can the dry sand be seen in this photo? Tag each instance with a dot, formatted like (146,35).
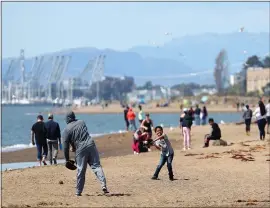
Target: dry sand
(150,108)
(210,178)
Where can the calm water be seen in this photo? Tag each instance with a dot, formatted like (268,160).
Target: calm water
(18,120)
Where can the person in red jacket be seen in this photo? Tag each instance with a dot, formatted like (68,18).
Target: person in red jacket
(131,119)
(138,137)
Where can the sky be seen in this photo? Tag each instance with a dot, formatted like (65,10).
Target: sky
(43,27)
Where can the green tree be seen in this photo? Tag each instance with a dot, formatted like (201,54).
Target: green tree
(266,62)
(253,61)
(221,71)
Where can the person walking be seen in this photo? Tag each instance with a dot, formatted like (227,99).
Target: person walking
(53,138)
(260,115)
(167,153)
(76,135)
(197,118)
(141,114)
(131,119)
(126,118)
(204,115)
(38,138)
(247,116)
(268,116)
(186,126)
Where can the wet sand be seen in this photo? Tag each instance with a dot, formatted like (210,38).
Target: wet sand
(231,176)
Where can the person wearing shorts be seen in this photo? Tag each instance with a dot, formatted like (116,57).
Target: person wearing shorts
(38,137)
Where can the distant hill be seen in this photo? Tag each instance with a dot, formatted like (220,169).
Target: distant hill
(179,56)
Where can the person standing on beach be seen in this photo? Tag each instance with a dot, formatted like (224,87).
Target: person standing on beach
(126,118)
(167,153)
(53,138)
(76,135)
(268,116)
(186,126)
(204,115)
(131,119)
(215,134)
(141,114)
(197,116)
(260,115)
(247,116)
(38,138)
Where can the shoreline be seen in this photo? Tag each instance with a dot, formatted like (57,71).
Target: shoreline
(113,108)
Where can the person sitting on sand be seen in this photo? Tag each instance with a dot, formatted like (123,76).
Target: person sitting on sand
(162,143)
(138,137)
(38,137)
(131,119)
(215,134)
(76,135)
(186,126)
(148,124)
(247,116)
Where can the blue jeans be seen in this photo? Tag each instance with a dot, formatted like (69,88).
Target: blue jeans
(132,124)
(204,121)
(197,120)
(40,146)
(163,160)
(261,125)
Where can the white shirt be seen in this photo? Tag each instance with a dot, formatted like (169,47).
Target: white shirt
(166,147)
(267,109)
(257,114)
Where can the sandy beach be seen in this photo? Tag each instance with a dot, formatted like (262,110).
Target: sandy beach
(151,108)
(231,176)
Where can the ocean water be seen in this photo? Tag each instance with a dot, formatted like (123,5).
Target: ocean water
(18,120)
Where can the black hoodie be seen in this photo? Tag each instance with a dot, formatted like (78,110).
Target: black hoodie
(76,134)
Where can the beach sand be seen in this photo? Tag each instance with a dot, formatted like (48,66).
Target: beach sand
(209,178)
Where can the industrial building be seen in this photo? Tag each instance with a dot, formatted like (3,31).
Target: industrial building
(45,83)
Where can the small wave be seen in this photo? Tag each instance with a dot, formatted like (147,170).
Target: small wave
(31,114)
(16,147)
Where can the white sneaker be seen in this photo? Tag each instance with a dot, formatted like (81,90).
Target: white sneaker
(184,149)
(135,152)
(149,150)
(189,148)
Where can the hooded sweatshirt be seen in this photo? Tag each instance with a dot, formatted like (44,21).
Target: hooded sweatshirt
(77,135)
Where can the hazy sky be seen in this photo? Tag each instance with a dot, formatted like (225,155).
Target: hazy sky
(41,27)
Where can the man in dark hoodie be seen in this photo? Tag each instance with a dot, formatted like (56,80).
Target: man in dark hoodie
(215,134)
(76,135)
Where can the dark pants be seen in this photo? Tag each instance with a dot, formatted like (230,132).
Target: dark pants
(248,122)
(261,124)
(42,146)
(127,124)
(52,145)
(163,160)
(208,137)
(268,126)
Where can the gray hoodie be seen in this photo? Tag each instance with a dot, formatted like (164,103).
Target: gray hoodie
(247,114)
(77,135)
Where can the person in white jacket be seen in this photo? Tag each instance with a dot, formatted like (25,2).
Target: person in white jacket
(260,115)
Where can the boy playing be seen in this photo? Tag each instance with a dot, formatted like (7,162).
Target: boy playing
(162,143)
(215,134)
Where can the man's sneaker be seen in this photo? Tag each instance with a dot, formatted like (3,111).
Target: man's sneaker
(171,178)
(78,194)
(44,161)
(105,190)
(205,146)
(54,161)
(154,178)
